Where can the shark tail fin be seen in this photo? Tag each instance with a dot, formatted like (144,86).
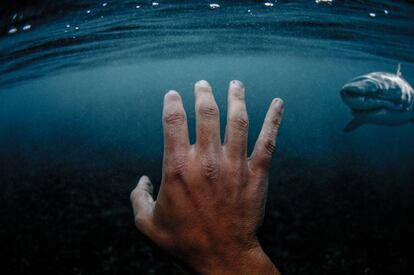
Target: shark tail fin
(353,124)
(399,70)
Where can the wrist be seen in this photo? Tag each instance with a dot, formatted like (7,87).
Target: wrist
(238,261)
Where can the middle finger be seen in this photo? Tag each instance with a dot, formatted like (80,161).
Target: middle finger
(207,118)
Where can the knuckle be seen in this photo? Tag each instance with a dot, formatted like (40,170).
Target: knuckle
(174,118)
(277,121)
(210,168)
(269,146)
(140,222)
(208,110)
(240,122)
(176,166)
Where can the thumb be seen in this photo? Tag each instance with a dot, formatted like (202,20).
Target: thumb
(143,203)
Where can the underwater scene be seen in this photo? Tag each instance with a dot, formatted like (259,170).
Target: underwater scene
(81,96)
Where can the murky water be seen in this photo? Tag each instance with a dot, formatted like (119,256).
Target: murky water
(81,88)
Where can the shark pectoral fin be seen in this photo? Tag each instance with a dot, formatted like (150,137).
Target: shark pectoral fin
(353,124)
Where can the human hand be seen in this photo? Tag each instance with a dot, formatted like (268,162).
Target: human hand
(212,197)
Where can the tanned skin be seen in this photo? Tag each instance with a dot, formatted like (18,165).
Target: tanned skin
(212,196)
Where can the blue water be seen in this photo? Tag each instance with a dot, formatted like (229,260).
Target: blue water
(80,120)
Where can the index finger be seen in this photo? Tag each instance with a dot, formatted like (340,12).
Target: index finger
(175,124)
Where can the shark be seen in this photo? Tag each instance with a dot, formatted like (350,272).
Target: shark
(379,98)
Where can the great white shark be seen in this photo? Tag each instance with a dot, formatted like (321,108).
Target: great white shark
(379,98)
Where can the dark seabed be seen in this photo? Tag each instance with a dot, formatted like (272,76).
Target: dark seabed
(81,88)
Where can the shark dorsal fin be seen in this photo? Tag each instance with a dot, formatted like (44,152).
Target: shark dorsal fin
(399,69)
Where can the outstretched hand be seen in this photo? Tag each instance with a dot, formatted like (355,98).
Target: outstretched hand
(212,196)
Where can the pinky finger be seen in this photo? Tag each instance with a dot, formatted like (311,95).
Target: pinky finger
(261,157)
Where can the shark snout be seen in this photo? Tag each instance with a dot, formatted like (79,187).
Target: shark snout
(351,89)
(365,94)
(359,88)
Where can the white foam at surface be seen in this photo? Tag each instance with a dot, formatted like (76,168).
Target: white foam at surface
(214,6)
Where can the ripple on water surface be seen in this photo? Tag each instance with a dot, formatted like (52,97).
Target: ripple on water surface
(55,37)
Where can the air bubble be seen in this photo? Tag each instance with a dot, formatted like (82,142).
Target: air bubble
(323,1)
(12,30)
(27,27)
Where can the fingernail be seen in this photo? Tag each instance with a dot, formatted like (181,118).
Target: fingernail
(202,83)
(278,103)
(172,95)
(237,83)
(172,92)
